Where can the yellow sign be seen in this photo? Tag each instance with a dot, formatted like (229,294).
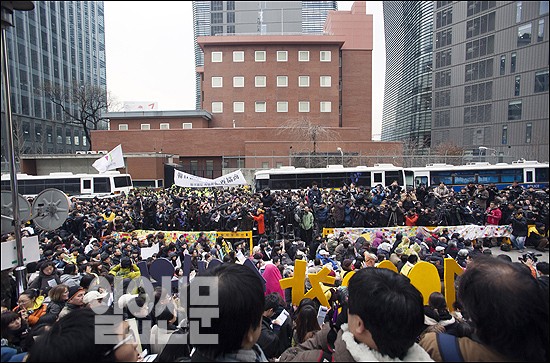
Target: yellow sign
(238,235)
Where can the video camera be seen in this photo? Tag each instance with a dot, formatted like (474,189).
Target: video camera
(529,255)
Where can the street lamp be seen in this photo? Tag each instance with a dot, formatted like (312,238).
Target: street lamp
(341,154)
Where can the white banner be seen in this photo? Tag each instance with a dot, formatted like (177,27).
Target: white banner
(31,252)
(114,159)
(182,179)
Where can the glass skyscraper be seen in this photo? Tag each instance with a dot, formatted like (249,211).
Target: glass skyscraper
(255,17)
(408,86)
(58,42)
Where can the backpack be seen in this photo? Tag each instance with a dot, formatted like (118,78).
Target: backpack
(449,348)
(506,247)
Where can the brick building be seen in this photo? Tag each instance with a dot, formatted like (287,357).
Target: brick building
(253,88)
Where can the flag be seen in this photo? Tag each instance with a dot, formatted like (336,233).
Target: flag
(111,161)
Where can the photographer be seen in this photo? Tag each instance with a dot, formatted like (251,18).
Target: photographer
(481,196)
(519,231)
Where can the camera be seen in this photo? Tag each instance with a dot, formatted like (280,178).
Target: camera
(529,255)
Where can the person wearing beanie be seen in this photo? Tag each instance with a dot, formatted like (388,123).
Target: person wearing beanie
(75,301)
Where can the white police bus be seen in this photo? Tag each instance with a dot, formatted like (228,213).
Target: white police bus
(332,177)
(79,185)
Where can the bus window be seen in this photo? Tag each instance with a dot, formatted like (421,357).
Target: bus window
(333,180)
(528,176)
(102,185)
(122,181)
(541,175)
(464,177)
(72,186)
(392,176)
(409,179)
(420,180)
(377,178)
(441,177)
(510,175)
(361,179)
(487,177)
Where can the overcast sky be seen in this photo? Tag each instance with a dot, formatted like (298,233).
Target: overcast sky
(150,54)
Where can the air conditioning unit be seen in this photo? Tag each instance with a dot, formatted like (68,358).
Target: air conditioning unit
(102,152)
(91,152)
(81,152)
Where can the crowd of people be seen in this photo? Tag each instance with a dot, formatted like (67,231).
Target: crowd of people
(380,315)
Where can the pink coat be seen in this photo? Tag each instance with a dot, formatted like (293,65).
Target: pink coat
(272,276)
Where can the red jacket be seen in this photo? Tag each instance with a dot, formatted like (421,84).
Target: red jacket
(494,216)
(261,223)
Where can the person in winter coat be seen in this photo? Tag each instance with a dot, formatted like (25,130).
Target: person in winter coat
(519,231)
(368,334)
(30,306)
(126,269)
(47,278)
(70,276)
(379,237)
(58,298)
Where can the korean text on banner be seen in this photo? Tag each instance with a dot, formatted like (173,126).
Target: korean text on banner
(182,179)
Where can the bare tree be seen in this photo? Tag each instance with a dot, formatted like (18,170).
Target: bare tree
(449,151)
(304,129)
(83,104)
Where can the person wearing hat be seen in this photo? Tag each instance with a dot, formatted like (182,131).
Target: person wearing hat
(75,301)
(519,231)
(47,278)
(94,299)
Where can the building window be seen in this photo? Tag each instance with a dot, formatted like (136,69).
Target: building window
(77,140)
(238,56)
(325,81)
(217,107)
(325,106)
(514,110)
(187,125)
(502,65)
(259,56)
(444,18)
(528,132)
(282,56)
(443,79)
(541,81)
(123,127)
(518,11)
(216,18)
(303,106)
(282,81)
(49,135)
(303,56)
(282,106)
(540,31)
(325,55)
(480,25)
(259,106)
(238,81)
(230,17)
(217,57)
(480,47)
(513,62)
(444,38)
(303,81)
(84,141)
(517,84)
(145,127)
(260,81)
(543,7)
(217,82)
(524,35)
(443,58)
(217,29)
(504,135)
(165,126)
(238,107)
(217,5)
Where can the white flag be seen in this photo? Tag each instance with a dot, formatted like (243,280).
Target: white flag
(111,161)
(182,179)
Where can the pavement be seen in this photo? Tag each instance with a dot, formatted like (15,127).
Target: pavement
(514,254)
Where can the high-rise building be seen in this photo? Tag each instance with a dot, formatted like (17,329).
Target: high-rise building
(58,42)
(408,86)
(255,17)
(489,77)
